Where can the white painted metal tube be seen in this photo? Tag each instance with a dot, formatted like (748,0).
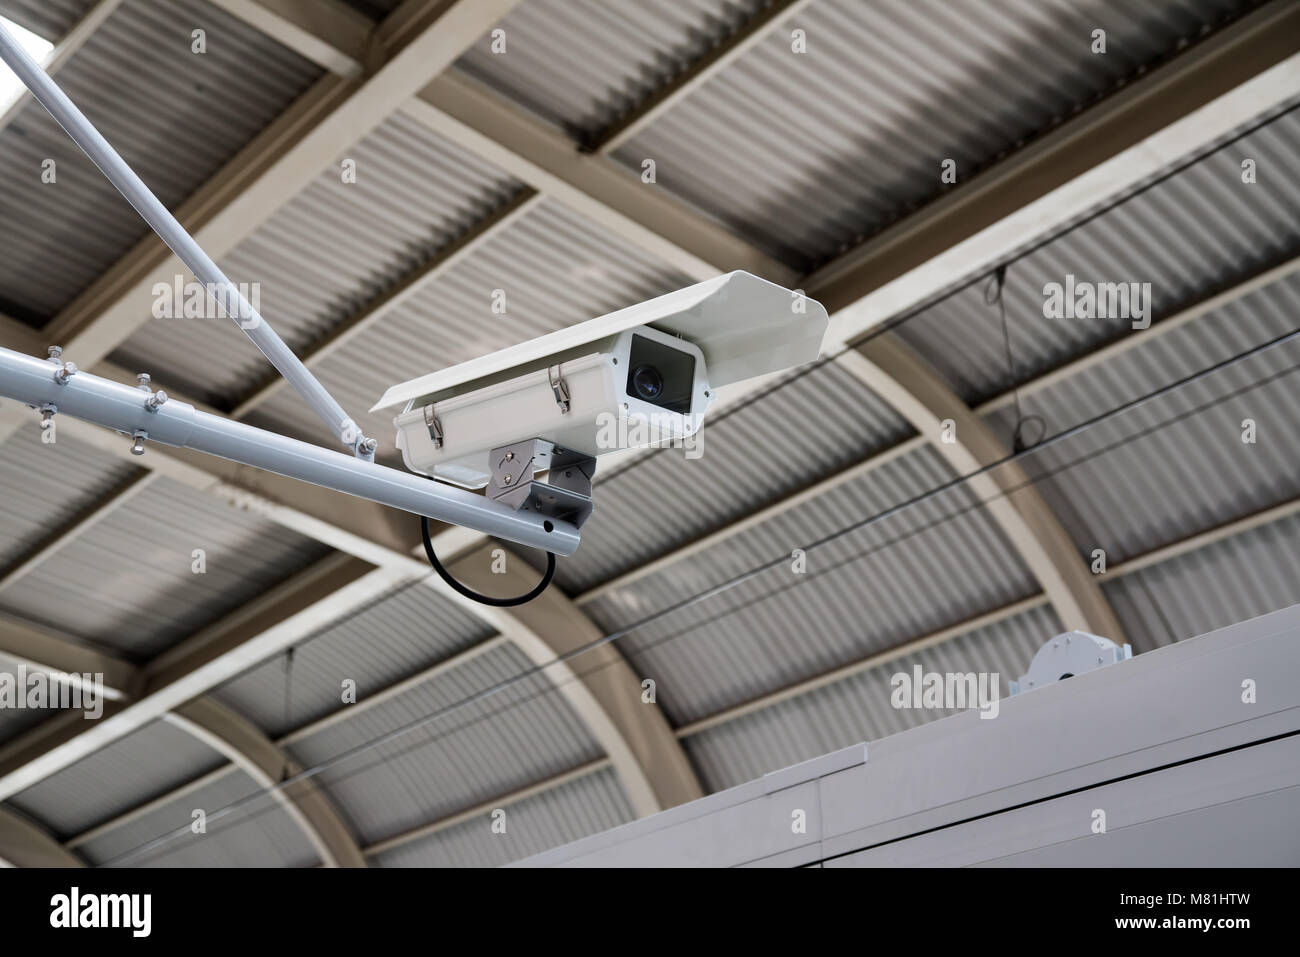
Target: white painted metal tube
(83,132)
(124,408)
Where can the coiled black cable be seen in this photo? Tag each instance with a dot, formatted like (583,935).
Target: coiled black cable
(471,593)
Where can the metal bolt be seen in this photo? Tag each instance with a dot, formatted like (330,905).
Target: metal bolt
(154,401)
(510,456)
(142,380)
(137,445)
(54,351)
(66,372)
(509,479)
(370,445)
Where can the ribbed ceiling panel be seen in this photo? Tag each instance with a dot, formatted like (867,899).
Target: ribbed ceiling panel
(587,805)
(813,152)
(136,768)
(257,833)
(936,563)
(1176,464)
(461,756)
(581,64)
(327,254)
(1190,235)
(128,583)
(390,640)
(174,115)
(859,708)
(45,487)
(1241,577)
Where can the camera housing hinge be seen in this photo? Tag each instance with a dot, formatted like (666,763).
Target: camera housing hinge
(566,496)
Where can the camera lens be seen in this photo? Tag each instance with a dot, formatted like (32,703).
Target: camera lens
(647,382)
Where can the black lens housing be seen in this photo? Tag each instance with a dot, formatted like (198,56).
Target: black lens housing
(647,383)
(660,374)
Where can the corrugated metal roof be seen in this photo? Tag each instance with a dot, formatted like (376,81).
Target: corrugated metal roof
(556,269)
(746,458)
(175,116)
(127,582)
(586,805)
(507,741)
(775,146)
(405,633)
(1241,577)
(812,152)
(257,834)
(1189,235)
(50,19)
(136,768)
(858,708)
(325,255)
(1131,484)
(581,64)
(936,563)
(44,487)
(14,721)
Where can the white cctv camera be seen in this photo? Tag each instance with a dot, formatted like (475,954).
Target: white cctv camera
(642,375)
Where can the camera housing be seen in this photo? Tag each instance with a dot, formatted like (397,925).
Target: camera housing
(575,400)
(639,376)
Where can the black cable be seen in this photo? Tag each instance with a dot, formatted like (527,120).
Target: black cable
(476,596)
(993,297)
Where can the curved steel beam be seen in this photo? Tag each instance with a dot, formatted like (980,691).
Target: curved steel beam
(599,684)
(234,736)
(211,722)
(24,844)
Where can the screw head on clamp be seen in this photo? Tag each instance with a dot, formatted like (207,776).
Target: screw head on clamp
(54,351)
(137,442)
(66,372)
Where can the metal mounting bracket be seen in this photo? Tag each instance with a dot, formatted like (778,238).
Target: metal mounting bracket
(565,496)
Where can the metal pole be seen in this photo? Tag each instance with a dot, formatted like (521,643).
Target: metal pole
(221,290)
(51,386)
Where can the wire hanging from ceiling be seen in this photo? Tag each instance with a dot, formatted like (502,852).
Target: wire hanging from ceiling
(993,296)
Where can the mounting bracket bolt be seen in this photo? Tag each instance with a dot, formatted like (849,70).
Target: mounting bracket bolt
(137,444)
(65,372)
(152,403)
